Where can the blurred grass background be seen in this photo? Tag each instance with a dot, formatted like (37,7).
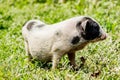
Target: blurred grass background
(102,57)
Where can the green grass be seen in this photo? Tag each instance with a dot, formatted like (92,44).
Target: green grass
(102,56)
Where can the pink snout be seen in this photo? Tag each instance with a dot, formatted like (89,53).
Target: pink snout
(103,36)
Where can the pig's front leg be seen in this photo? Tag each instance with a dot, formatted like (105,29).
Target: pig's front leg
(55,60)
(71,57)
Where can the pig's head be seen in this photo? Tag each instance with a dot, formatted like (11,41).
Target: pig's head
(90,30)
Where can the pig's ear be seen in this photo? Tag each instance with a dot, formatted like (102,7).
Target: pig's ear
(80,27)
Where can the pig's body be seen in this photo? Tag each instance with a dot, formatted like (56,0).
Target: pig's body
(50,42)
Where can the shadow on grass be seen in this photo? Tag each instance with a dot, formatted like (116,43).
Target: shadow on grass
(44,65)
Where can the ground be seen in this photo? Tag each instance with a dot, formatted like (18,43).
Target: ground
(102,59)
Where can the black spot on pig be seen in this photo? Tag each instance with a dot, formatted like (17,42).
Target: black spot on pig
(75,40)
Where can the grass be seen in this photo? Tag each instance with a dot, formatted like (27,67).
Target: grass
(102,57)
